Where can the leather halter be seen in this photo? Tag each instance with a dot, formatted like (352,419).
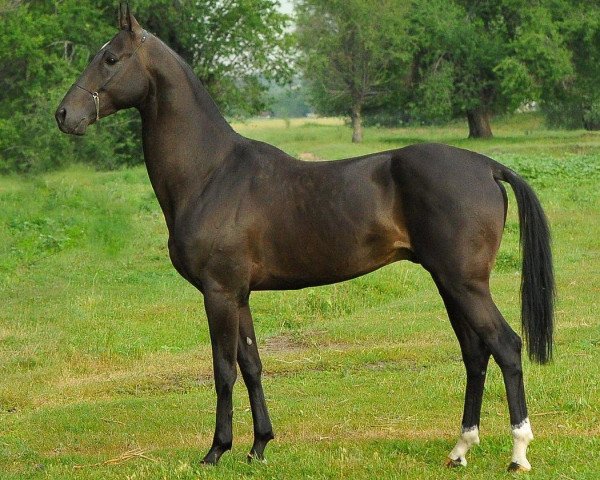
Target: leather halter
(95,95)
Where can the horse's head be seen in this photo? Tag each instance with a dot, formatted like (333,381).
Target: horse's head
(115,79)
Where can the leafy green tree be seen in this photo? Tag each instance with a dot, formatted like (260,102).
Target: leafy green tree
(494,56)
(575,103)
(233,45)
(42,49)
(236,47)
(350,52)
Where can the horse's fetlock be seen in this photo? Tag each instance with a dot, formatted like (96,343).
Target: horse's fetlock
(264,436)
(222,443)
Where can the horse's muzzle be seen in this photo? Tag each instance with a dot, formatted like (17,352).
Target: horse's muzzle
(69,126)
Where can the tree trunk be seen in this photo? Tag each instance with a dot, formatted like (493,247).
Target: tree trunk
(357,128)
(479,123)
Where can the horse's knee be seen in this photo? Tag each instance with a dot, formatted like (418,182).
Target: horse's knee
(225,380)
(475,367)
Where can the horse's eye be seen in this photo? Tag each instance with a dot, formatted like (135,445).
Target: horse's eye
(110,60)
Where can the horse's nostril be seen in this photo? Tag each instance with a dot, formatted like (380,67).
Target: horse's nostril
(61,115)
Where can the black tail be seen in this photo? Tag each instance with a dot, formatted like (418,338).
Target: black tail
(537,277)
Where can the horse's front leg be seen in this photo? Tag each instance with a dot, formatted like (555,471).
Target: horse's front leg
(222,310)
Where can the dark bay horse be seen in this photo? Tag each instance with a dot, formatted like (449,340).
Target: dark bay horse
(243,215)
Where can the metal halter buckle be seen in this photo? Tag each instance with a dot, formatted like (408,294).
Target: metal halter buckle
(97,103)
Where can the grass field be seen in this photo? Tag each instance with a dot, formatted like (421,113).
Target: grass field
(105,367)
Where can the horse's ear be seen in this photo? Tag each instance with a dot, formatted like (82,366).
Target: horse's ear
(122,18)
(131,23)
(126,20)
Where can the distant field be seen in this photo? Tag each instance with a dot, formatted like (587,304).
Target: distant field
(329,138)
(104,349)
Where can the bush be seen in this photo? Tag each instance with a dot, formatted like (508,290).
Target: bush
(573,112)
(563,114)
(591,116)
(30,142)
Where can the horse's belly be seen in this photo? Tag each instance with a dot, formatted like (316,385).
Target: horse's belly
(305,267)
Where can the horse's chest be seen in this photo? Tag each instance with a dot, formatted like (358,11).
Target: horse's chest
(199,255)
(188,254)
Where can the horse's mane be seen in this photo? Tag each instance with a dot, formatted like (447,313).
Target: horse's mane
(192,77)
(198,88)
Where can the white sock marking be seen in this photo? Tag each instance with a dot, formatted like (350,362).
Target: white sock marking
(468,438)
(522,435)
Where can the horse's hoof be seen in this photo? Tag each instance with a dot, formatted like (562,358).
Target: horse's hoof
(453,463)
(200,465)
(253,457)
(514,467)
(214,454)
(211,458)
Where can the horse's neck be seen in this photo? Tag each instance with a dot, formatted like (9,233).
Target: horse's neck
(184,135)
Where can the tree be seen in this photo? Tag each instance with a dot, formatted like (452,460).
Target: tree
(349,50)
(43,46)
(495,55)
(575,103)
(233,45)
(236,47)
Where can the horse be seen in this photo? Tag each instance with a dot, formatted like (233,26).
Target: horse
(243,216)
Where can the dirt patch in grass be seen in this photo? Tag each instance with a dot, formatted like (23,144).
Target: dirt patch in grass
(303,341)
(283,343)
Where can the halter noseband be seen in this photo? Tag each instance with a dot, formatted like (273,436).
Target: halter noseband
(96,100)
(95,95)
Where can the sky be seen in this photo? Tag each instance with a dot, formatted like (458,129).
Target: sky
(286,6)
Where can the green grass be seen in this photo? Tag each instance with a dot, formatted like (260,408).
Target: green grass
(104,348)
(330,138)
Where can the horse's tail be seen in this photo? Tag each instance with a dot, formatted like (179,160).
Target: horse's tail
(537,276)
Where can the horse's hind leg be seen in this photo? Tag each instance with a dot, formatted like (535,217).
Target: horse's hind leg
(251,368)
(471,296)
(475,356)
